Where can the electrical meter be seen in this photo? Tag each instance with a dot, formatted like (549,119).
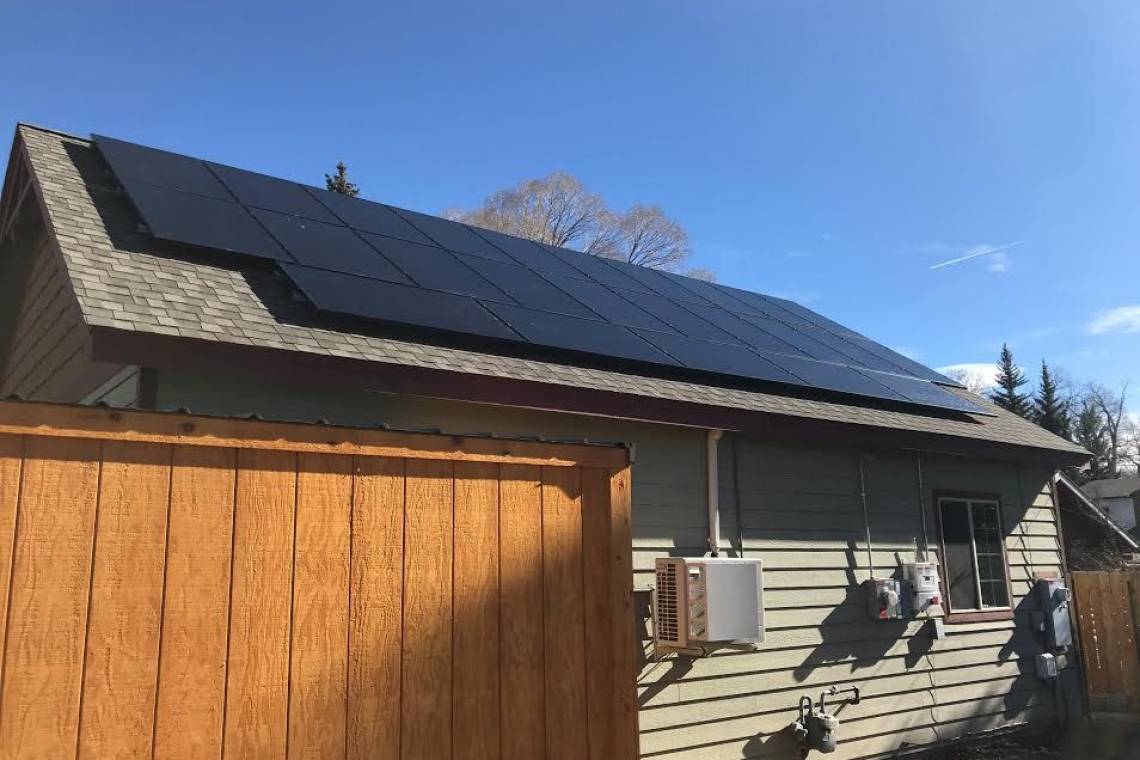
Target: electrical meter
(886,599)
(923,580)
(1053,598)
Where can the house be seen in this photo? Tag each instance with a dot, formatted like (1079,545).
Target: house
(1116,497)
(830,472)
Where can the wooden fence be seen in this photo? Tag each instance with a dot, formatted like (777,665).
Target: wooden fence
(1108,618)
(185,587)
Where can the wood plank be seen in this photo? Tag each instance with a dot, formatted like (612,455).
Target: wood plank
(158,427)
(257,676)
(50,584)
(377,590)
(427,657)
(11,468)
(117,719)
(195,616)
(523,712)
(625,641)
(475,700)
(564,614)
(319,668)
(597,566)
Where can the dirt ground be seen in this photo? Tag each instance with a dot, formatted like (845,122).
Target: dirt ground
(1100,737)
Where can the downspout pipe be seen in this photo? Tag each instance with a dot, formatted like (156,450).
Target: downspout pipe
(713,497)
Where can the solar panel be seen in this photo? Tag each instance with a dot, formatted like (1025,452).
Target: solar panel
(527,288)
(751,334)
(137,164)
(453,236)
(925,393)
(327,246)
(355,257)
(610,306)
(434,268)
(718,357)
(368,216)
(597,269)
(353,296)
(261,191)
(835,377)
(529,254)
(558,331)
(679,318)
(198,220)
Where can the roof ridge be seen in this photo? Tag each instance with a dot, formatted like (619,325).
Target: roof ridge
(50,131)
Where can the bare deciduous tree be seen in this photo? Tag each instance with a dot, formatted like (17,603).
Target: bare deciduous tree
(1111,406)
(559,210)
(973,383)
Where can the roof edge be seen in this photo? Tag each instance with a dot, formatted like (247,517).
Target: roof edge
(1094,510)
(176,353)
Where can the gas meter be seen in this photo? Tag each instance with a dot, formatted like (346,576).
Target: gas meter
(817,728)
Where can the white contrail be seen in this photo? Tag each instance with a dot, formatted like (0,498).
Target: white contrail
(976,254)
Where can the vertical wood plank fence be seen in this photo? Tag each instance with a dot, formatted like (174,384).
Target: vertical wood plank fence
(1108,611)
(186,587)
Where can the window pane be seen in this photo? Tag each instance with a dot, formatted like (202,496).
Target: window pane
(994,594)
(959,555)
(991,561)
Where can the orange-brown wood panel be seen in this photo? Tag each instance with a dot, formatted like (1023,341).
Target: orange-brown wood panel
(376,588)
(522,722)
(117,718)
(50,584)
(195,616)
(624,642)
(564,614)
(11,465)
(475,651)
(597,593)
(319,670)
(257,676)
(426,697)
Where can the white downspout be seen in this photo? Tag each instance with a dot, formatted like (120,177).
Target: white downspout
(712,477)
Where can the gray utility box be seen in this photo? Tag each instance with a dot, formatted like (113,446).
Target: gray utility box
(1054,599)
(887,598)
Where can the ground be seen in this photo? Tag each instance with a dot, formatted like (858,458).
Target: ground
(1101,737)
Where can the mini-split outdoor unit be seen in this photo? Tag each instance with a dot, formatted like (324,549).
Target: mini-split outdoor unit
(702,600)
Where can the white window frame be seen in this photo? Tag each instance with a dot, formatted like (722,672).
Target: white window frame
(970,501)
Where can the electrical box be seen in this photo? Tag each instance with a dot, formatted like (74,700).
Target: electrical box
(886,598)
(708,599)
(924,583)
(1054,599)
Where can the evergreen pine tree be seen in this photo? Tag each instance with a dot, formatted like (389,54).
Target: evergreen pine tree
(1089,432)
(339,183)
(1049,411)
(1009,379)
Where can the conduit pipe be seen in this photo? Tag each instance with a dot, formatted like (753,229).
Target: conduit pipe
(866,515)
(713,498)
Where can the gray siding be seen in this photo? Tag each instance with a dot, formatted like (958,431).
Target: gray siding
(800,512)
(49,353)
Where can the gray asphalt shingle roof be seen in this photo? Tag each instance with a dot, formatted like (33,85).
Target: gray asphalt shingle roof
(123,280)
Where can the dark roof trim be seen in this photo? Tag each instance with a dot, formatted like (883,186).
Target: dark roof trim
(163,352)
(1095,512)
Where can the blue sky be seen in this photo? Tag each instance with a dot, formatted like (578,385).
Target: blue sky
(831,152)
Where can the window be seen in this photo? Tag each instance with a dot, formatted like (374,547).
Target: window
(973,550)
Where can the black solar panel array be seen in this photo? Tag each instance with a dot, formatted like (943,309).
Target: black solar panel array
(354,257)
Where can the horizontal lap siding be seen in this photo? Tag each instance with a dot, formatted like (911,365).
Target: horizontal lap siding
(801,513)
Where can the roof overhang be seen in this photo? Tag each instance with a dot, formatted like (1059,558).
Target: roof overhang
(172,353)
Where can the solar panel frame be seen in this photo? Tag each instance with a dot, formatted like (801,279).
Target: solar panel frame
(748,333)
(610,306)
(327,246)
(528,253)
(597,269)
(926,393)
(679,318)
(834,377)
